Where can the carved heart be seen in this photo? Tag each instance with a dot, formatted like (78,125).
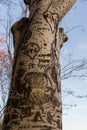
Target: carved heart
(31,50)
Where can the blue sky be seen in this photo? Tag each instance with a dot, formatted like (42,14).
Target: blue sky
(78,36)
(76,117)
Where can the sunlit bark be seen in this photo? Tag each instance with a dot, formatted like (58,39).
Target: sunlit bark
(34,101)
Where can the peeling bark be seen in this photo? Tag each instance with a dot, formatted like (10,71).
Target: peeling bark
(34,101)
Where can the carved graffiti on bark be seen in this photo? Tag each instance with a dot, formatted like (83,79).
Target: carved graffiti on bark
(52,20)
(31,50)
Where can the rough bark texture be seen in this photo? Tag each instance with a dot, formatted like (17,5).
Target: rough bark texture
(34,101)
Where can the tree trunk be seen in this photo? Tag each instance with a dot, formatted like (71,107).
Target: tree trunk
(34,101)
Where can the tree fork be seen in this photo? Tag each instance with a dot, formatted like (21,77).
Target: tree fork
(34,101)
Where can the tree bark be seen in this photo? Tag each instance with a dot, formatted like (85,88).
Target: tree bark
(34,101)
